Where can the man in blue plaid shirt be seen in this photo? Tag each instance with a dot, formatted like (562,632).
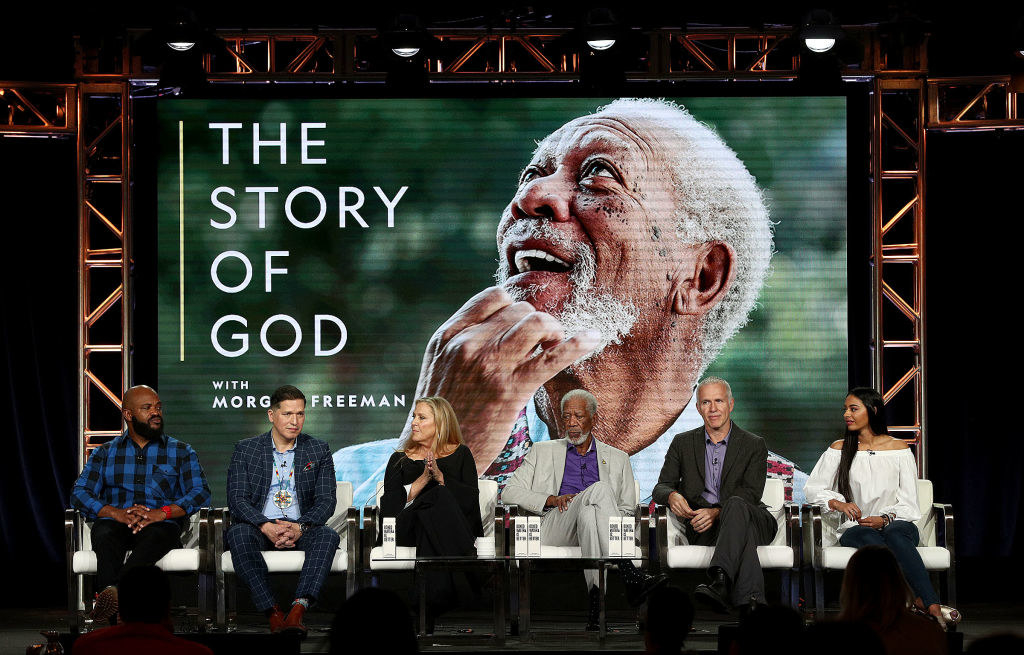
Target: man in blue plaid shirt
(139,489)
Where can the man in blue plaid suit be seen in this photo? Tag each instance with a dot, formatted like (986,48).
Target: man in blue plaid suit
(281,492)
(138,489)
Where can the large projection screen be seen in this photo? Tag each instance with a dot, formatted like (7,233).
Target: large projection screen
(326,246)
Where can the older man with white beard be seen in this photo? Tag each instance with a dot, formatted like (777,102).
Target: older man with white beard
(634,247)
(587,482)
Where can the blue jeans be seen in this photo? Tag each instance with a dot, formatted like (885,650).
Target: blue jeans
(901,538)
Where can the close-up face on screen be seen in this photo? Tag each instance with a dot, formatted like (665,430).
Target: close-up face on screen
(372,251)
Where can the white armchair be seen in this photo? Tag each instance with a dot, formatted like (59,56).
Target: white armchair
(822,553)
(344,521)
(490,548)
(674,552)
(564,557)
(194,557)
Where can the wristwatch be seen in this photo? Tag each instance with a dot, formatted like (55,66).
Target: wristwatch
(166,509)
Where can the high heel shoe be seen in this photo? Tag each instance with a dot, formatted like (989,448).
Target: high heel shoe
(947,616)
(950,616)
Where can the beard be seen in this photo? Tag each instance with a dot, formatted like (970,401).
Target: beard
(578,440)
(587,308)
(143,430)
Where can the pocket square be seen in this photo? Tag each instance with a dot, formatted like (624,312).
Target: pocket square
(309,466)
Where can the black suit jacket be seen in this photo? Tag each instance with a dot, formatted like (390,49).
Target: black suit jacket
(743,471)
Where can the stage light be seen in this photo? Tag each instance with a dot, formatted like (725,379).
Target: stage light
(183,34)
(600,29)
(819,31)
(405,37)
(819,45)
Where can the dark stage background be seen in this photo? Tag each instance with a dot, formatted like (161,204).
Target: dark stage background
(975,452)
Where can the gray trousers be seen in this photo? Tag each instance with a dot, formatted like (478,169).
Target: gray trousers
(584,523)
(741,527)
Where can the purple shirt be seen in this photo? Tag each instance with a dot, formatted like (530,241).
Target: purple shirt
(580,470)
(714,458)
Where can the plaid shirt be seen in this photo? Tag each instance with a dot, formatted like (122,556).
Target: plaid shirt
(120,474)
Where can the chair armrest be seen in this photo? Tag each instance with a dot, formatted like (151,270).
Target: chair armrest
(352,538)
(500,536)
(643,521)
(945,537)
(72,537)
(205,545)
(219,519)
(792,523)
(661,535)
(368,535)
(812,534)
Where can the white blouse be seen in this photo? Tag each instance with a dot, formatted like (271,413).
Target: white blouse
(882,482)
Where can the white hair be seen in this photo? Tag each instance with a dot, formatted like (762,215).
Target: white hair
(587,397)
(711,379)
(717,199)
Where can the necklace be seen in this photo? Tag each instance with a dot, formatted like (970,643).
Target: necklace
(283,498)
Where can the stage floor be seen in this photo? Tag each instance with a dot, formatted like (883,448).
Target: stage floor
(470,631)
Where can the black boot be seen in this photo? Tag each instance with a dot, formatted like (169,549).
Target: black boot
(717,594)
(594,610)
(638,584)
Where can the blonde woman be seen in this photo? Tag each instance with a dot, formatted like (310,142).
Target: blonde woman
(430,487)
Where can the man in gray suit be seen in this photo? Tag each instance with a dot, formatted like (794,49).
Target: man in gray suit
(712,482)
(588,482)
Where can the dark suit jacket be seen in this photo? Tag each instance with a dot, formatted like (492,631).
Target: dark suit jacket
(251,470)
(743,471)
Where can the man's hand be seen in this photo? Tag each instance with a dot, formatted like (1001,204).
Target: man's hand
(291,533)
(145,516)
(274,530)
(484,360)
(561,502)
(704,518)
(126,516)
(851,510)
(873,522)
(679,506)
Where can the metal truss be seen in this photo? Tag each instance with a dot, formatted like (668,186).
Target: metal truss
(28,109)
(898,273)
(104,259)
(972,103)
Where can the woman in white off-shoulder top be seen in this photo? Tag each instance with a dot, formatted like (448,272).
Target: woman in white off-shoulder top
(867,485)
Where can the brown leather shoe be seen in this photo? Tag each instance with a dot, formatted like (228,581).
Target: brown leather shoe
(276,619)
(105,605)
(293,622)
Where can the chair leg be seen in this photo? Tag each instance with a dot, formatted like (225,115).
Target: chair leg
(351,577)
(230,584)
(220,591)
(951,586)
(819,594)
(204,602)
(74,598)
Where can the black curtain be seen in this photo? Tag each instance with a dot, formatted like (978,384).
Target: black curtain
(973,290)
(40,351)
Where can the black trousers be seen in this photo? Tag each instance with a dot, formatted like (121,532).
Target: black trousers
(741,527)
(435,525)
(111,540)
